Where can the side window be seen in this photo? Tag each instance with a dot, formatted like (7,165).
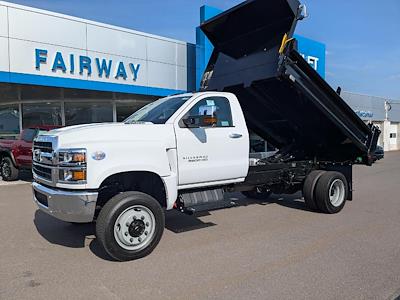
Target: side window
(217,107)
(29,134)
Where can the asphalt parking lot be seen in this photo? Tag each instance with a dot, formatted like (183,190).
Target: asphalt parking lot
(273,250)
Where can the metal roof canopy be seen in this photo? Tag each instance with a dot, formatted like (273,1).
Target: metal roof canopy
(284,100)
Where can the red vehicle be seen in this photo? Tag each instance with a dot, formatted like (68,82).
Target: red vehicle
(16,155)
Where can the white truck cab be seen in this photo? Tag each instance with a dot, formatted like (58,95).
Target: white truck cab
(177,143)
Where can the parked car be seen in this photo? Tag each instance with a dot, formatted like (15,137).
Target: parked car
(379,153)
(16,154)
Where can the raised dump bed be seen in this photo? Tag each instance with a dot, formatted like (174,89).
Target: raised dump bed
(284,99)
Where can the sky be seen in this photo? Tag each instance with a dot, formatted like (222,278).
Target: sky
(362,37)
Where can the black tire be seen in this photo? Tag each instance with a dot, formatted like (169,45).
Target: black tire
(309,188)
(110,214)
(257,194)
(323,190)
(8,171)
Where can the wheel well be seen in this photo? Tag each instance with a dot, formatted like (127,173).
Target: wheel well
(141,181)
(4,154)
(347,172)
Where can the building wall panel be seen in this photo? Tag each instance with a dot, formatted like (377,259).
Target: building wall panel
(3,21)
(161,75)
(4,63)
(161,51)
(181,78)
(111,41)
(39,27)
(182,55)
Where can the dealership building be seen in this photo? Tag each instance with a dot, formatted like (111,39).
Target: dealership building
(61,70)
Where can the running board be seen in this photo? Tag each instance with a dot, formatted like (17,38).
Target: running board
(203,200)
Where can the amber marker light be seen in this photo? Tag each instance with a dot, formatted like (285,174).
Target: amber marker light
(79,175)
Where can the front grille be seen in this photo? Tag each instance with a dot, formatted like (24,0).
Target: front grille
(42,172)
(42,199)
(46,147)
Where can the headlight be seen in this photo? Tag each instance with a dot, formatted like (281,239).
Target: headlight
(72,175)
(72,156)
(72,166)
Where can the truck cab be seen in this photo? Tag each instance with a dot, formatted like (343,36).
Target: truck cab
(177,143)
(187,141)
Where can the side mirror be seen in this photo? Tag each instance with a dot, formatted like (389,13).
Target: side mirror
(200,121)
(191,122)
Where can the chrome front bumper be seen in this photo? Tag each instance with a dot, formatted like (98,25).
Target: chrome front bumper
(76,207)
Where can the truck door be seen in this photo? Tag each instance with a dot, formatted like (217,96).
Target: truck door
(215,152)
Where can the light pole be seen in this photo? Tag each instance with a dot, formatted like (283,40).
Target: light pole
(388,107)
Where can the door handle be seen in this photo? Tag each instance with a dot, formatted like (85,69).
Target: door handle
(235,135)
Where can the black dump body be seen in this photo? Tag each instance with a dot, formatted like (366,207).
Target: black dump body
(284,99)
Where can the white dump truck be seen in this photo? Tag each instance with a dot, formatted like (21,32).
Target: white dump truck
(185,151)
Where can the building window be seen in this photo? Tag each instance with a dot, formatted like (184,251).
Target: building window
(35,114)
(9,121)
(87,112)
(37,92)
(393,135)
(125,109)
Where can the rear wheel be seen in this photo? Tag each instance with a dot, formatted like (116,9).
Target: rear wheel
(331,192)
(258,193)
(309,188)
(7,169)
(130,225)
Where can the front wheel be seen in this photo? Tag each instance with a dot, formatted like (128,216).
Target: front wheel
(7,169)
(130,225)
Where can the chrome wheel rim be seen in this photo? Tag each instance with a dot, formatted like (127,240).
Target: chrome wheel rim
(337,193)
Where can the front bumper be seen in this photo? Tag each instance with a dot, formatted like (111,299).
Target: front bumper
(69,206)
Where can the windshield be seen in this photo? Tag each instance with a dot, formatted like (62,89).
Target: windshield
(157,112)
